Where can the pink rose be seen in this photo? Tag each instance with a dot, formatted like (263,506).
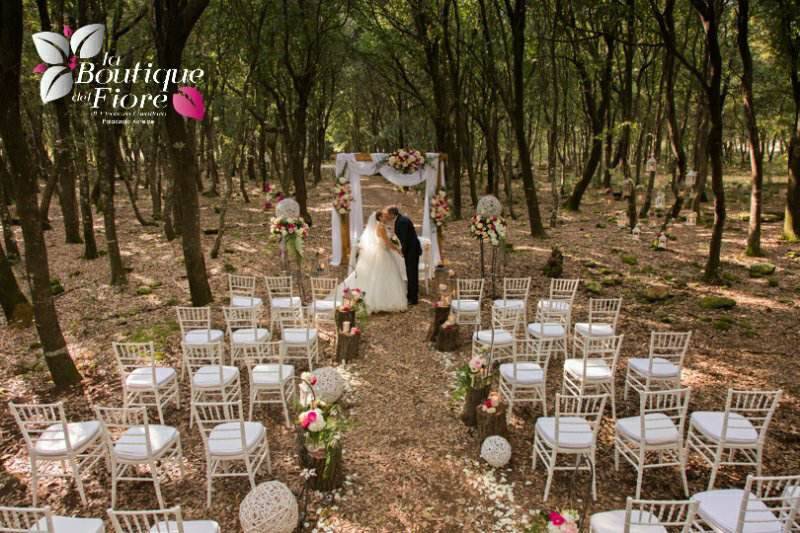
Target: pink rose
(555,519)
(308,418)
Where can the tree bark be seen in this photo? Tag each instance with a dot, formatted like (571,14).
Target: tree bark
(61,366)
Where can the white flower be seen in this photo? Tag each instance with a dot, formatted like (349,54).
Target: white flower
(318,424)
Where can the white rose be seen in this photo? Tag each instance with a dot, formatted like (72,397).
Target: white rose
(318,424)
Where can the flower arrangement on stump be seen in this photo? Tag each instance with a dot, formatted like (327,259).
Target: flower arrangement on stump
(565,521)
(472,385)
(354,298)
(406,161)
(319,428)
(271,196)
(491,417)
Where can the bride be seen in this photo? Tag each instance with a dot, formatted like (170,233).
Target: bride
(379,269)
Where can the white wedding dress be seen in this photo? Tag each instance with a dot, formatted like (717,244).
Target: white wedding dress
(378,272)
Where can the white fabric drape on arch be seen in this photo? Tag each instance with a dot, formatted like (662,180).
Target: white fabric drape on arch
(356,169)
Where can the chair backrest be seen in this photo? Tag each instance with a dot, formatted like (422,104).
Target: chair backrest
(601,350)
(133,355)
(670,345)
(516,288)
(240,318)
(116,421)
(44,423)
(26,520)
(546,314)
(781,494)
(672,403)
(588,406)
(279,286)
(532,350)
(265,353)
(324,288)
(604,311)
(160,521)
(191,318)
(506,318)
(673,515)
(239,285)
(563,289)
(758,407)
(197,356)
(469,289)
(209,415)
(294,317)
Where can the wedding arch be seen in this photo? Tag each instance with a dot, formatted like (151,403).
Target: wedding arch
(355,165)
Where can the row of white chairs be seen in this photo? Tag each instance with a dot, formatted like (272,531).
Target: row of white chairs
(42,520)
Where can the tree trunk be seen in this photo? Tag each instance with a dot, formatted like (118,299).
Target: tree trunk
(15,304)
(62,368)
(107,159)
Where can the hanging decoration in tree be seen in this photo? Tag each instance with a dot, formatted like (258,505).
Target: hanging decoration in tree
(691,178)
(342,203)
(661,200)
(691,219)
(287,208)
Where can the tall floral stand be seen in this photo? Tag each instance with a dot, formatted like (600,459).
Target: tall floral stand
(472,400)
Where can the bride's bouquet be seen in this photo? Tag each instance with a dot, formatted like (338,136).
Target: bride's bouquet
(491,228)
(406,161)
(292,231)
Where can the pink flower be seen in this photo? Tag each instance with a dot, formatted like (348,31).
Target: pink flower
(313,380)
(555,519)
(73,62)
(308,418)
(355,331)
(67,31)
(40,68)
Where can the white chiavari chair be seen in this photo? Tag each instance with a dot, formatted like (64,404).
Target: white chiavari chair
(42,520)
(466,306)
(595,370)
(524,379)
(271,380)
(515,294)
(243,330)
(646,516)
(603,317)
(159,521)
(662,368)
(242,291)
(280,291)
(144,382)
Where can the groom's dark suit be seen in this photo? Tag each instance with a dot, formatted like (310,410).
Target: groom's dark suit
(404,229)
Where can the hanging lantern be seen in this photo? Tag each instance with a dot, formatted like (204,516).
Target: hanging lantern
(660,200)
(651,164)
(691,178)
(691,219)
(637,232)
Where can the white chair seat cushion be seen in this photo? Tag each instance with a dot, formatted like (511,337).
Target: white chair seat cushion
(246,301)
(597,330)
(709,423)
(250,335)
(720,509)
(527,373)
(68,524)
(470,306)
(501,337)
(614,522)
(142,378)
(285,302)
(271,374)
(51,440)
(596,369)
(662,368)
(189,526)
(131,444)
(299,335)
(202,336)
(209,376)
(550,330)
(510,303)
(574,431)
(560,306)
(658,428)
(226,439)
(323,306)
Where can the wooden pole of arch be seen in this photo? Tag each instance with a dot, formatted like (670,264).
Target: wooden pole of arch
(440,183)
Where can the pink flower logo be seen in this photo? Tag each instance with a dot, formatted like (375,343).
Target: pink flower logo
(188,102)
(60,54)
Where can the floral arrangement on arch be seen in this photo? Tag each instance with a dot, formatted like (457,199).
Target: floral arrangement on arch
(565,521)
(475,374)
(440,207)
(342,196)
(491,228)
(272,196)
(406,161)
(292,231)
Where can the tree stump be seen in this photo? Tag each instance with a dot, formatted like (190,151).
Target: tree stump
(329,467)
(472,400)
(342,317)
(439,317)
(447,339)
(492,423)
(347,346)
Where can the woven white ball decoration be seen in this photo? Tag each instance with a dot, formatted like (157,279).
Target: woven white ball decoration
(287,208)
(496,451)
(488,206)
(330,384)
(270,506)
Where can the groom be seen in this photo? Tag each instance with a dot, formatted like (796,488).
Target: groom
(405,232)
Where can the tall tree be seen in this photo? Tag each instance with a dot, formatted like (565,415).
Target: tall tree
(62,367)
(172,22)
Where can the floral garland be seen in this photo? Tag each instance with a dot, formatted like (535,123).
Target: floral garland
(342,196)
(293,231)
(565,521)
(272,196)
(491,227)
(475,374)
(440,207)
(406,161)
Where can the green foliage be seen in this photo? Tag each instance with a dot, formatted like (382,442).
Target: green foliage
(717,302)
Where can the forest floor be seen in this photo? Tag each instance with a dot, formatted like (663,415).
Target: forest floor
(411,464)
